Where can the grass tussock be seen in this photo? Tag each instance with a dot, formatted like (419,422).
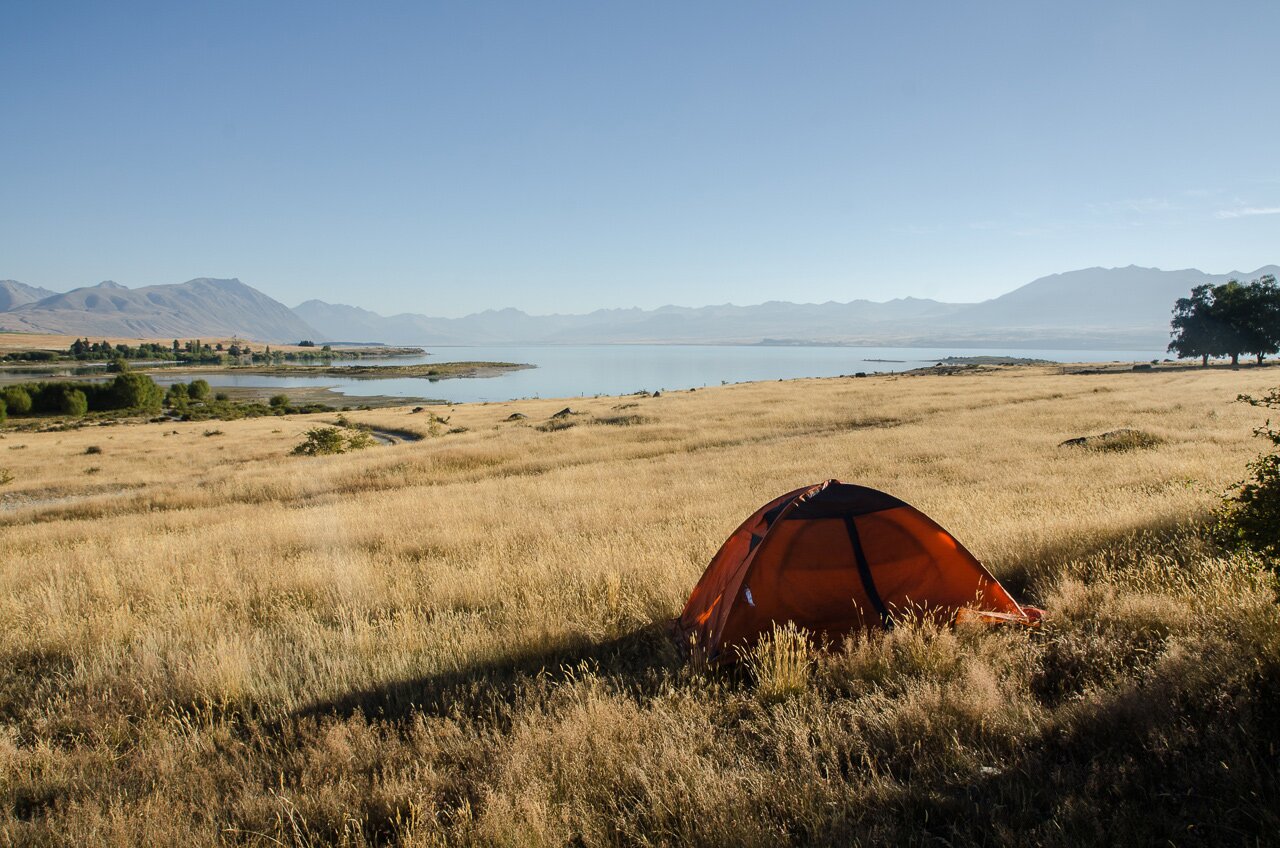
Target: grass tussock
(781,662)
(460,641)
(1117,441)
(631,420)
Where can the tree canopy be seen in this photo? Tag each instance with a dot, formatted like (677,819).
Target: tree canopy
(1228,320)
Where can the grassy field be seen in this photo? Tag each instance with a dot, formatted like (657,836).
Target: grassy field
(459,640)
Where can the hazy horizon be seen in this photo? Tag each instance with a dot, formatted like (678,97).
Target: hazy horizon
(607,308)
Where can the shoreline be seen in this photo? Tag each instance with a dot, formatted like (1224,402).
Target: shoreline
(429,371)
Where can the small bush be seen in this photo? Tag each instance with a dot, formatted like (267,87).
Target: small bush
(4,411)
(73,402)
(1251,516)
(222,396)
(320,441)
(212,433)
(6,476)
(17,399)
(92,449)
(199,390)
(279,400)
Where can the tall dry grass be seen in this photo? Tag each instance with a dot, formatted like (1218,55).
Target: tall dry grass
(460,640)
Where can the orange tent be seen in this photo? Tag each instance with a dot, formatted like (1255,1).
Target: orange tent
(833,558)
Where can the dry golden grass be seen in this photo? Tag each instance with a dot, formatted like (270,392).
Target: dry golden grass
(459,640)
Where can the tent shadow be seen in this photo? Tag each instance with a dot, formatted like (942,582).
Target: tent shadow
(1204,772)
(634,656)
(1027,578)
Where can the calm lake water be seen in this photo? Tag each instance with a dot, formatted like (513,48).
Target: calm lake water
(578,371)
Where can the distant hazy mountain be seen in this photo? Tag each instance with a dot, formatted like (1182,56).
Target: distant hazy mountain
(14,294)
(198,307)
(1095,307)
(1118,298)
(724,324)
(1091,308)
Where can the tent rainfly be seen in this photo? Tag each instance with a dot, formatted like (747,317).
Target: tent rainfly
(834,558)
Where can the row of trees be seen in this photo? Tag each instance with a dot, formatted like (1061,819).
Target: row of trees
(127,391)
(1230,319)
(192,350)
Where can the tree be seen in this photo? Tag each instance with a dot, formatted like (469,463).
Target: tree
(1228,320)
(17,399)
(177,396)
(136,391)
(1261,317)
(1195,329)
(73,402)
(1231,303)
(199,389)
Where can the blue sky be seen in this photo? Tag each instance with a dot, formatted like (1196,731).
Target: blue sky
(447,158)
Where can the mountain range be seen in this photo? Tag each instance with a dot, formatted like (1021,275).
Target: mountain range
(1091,308)
(201,307)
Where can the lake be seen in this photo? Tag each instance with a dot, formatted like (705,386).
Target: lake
(576,371)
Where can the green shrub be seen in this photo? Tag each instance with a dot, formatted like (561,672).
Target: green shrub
(73,402)
(279,400)
(177,396)
(222,396)
(199,390)
(1251,516)
(4,411)
(17,399)
(320,441)
(329,440)
(135,391)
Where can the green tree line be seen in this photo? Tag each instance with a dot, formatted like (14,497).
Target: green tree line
(126,391)
(1228,320)
(195,350)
